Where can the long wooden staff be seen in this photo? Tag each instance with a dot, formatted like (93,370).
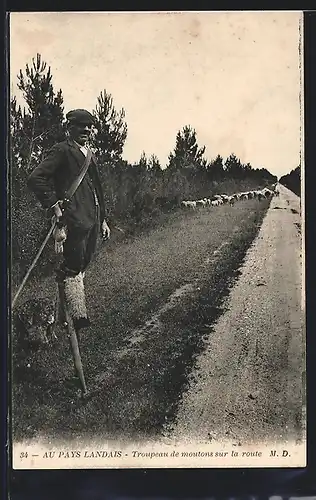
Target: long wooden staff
(26,277)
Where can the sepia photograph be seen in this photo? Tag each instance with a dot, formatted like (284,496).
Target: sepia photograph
(155,187)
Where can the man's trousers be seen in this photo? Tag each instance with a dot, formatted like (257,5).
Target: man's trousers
(79,249)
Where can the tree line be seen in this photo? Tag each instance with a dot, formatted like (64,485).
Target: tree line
(136,193)
(292,180)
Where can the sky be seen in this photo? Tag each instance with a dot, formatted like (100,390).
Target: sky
(232,76)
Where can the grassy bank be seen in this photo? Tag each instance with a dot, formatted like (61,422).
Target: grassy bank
(138,373)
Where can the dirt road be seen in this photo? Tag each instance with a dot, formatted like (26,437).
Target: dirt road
(248,383)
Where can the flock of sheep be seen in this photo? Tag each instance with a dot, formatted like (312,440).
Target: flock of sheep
(221,199)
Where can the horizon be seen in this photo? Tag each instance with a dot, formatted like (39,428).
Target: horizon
(234,77)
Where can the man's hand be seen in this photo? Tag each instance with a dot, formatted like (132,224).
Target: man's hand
(60,236)
(105,231)
(57,210)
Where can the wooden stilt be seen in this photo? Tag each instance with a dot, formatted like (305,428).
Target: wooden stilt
(72,334)
(61,318)
(56,314)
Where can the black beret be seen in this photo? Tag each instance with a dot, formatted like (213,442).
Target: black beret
(80,116)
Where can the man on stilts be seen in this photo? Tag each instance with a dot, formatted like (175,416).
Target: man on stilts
(67,182)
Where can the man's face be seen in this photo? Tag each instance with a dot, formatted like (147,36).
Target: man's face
(80,132)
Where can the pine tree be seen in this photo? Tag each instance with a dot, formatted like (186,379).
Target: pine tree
(247,168)
(143,161)
(18,144)
(233,166)
(216,169)
(110,130)
(154,164)
(187,153)
(42,121)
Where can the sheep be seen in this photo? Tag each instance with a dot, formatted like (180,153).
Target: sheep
(188,204)
(267,192)
(191,204)
(243,196)
(231,200)
(225,198)
(260,195)
(220,199)
(201,203)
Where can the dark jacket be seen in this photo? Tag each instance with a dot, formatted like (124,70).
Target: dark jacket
(53,177)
